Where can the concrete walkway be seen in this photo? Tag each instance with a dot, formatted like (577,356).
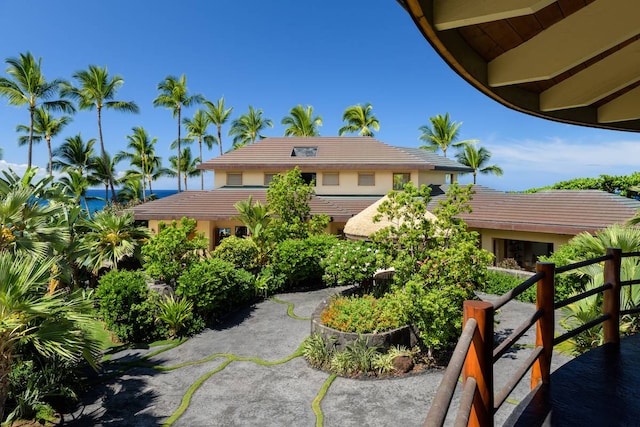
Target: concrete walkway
(242,374)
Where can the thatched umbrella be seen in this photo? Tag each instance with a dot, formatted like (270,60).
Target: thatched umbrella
(361,226)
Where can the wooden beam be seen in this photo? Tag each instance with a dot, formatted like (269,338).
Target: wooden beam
(448,14)
(580,36)
(603,78)
(624,107)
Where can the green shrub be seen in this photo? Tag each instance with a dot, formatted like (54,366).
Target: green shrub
(171,251)
(269,281)
(124,304)
(241,252)
(437,312)
(364,314)
(299,260)
(499,283)
(215,287)
(317,352)
(177,315)
(350,263)
(568,283)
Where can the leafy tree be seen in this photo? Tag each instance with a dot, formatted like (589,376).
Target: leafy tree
(477,159)
(288,197)
(111,238)
(246,128)
(45,126)
(257,218)
(359,119)
(174,95)
(300,122)
(197,128)
(95,90)
(76,185)
(186,166)
(28,86)
(171,251)
(218,115)
(55,323)
(441,134)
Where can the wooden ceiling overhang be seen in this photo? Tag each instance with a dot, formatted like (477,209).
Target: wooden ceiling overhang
(573,61)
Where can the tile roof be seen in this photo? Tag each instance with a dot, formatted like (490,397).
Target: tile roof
(218,205)
(554,211)
(344,153)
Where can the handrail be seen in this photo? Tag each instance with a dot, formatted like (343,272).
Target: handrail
(441,402)
(474,398)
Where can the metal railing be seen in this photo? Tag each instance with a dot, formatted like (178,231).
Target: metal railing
(474,355)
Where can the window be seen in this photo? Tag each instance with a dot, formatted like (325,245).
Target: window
(449,178)
(400,179)
(304,151)
(330,178)
(308,177)
(221,233)
(234,178)
(268,177)
(241,231)
(366,179)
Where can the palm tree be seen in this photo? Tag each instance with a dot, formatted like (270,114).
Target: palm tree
(111,238)
(197,128)
(45,126)
(256,217)
(96,90)
(246,128)
(75,154)
(102,171)
(218,115)
(28,86)
(55,323)
(175,95)
(359,119)
(76,185)
(301,122)
(140,156)
(442,133)
(477,159)
(187,165)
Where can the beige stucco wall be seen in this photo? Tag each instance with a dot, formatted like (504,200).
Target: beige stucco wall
(488,236)
(434,177)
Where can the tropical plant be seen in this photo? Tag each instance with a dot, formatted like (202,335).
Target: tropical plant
(184,165)
(45,126)
(300,122)
(102,170)
(173,249)
(95,90)
(351,263)
(110,239)
(246,128)
(76,185)
(441,134)
(218,115)
(256,217)
(476,159)
(241,252)
(174,95)
(359,119)
(55,323)
(28,86)
(176,313)
(317,352)
(364,314)
(197,128)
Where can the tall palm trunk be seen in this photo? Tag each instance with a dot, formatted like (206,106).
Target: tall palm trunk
(179,149)
(50,168)
(32,110)
(201,171)
(474,176)
(219,139)
(5,368)
(144,180)
(104,157)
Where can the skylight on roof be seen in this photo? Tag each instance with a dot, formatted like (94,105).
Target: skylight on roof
(304,151)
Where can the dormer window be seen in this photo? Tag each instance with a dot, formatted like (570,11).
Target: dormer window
(304,151)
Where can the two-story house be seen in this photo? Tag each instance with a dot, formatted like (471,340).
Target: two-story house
(350,173)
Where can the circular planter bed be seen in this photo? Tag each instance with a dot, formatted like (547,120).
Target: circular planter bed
(406,335)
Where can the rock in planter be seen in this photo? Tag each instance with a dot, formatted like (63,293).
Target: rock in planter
(160,288)
(403,363)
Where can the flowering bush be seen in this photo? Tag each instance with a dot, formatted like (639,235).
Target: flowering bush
(350,263)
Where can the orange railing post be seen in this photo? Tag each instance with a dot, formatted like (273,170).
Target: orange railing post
(545,326)
(611,297)
(479,362)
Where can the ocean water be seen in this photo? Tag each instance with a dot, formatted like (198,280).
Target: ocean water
(96,205)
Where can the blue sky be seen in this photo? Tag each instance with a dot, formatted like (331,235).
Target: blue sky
(275,55)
